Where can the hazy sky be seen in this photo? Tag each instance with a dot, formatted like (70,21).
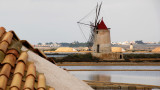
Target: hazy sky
(55,20)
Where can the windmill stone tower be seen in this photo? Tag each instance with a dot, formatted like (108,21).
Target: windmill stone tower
(102,44)
(102,41)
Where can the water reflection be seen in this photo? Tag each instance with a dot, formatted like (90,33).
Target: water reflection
(136,77)
(111,67)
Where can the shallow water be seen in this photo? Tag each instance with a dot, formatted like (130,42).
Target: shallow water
(137,77)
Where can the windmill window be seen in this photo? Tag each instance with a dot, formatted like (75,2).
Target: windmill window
(97,32)
(97,48)
(121,56)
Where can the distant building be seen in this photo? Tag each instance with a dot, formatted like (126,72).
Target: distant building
(131,46)
(139,42)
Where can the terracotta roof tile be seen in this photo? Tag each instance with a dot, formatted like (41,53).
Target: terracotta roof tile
(41,89)
(27,89)
(40,53)
(7,37)
(10,78)
(16,45)
(16,82)
(31,70)
(2,31)
(15,37)
(3,46)
(13,88)
(6,70)
(20,67)
(17,78)
(23,57)
(2,56)
(14,52)
(29,84)
(10,59)
(3,82)
(41,82)
(22,84)
(30,47)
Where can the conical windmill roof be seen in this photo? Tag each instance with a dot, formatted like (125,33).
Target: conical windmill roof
(102,25)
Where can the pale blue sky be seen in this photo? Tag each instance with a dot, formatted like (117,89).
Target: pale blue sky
(55,20)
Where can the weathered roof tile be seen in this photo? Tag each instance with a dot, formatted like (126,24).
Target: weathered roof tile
(23,57)
(14,88)
(2,56)
(17,78)
(6,70)
(8,37)
(27,89)
(41,89)
(3,82)
(41,81)
(20,67)
(31,70)
(16,45)
(16,82)
(29,84)
(30,47)
(10,59)
(14,52)
(3,46)
(2,31)
(15,37)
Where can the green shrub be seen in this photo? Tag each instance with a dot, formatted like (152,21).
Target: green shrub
(79,58)
(131,56)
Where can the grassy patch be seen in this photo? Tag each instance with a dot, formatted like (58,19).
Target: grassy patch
(131,56)
(79,58)
(89,58)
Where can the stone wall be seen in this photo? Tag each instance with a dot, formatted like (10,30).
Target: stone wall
(108,56)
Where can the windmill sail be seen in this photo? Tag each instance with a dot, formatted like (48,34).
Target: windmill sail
(91,23)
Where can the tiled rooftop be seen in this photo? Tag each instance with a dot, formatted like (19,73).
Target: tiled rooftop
(16,73)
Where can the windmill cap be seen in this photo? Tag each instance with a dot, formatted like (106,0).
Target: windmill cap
(102,25)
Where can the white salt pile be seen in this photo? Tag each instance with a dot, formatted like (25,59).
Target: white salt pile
(55,76)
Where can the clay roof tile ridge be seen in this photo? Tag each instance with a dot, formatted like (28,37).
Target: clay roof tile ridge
(3,46)
(20,68)
(2,31)
(29,84)
(16,82)
(41,81)
(14,52)
(3,82)
(10,59)
(31,70)
(5,70)
(8,37)
(23,57)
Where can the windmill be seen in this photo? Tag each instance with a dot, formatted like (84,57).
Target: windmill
(91,24)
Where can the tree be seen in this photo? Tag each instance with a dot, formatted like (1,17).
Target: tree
(39,43)
(50,43)
(139,42)
(47,43)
